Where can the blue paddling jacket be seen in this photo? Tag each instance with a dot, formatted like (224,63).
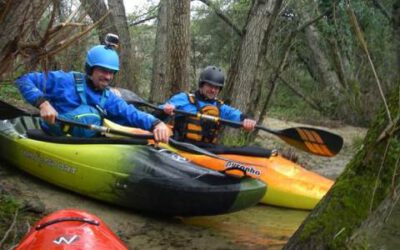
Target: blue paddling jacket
(59,88)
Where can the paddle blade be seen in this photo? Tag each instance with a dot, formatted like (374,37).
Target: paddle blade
(312,140)
(8,111)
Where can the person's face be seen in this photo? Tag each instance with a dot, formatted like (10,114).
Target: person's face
(209,91)
(101,77)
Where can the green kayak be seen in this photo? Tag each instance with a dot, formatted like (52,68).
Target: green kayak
(126,172)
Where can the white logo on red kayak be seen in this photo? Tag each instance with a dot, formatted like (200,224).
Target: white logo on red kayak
(248,169)
(66,240)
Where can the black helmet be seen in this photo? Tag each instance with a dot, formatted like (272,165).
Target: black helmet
(212,75)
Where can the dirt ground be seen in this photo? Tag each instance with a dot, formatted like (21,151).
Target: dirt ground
(260,227)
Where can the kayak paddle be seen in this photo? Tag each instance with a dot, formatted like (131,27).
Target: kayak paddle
(311,140)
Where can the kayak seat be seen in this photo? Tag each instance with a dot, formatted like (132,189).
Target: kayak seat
(248,151)
(38,134)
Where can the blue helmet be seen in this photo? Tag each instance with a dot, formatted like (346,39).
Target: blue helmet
(102,56)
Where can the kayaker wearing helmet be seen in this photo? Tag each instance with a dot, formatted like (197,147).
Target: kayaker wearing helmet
(204,101)
(85,98)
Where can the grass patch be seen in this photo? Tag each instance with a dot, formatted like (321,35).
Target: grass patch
(14,220)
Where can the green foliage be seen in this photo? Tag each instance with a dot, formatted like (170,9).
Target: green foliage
(291,107)
(213,41)
(8,91)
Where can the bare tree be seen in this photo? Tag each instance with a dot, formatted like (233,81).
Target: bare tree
(319,63)
(242,74)
(96,9)
(17,20)
(172,54)
(24,39)
(128,75)
(178,36)
(159,87)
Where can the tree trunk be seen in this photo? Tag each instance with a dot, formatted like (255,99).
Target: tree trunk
(96,9)
(380,230)
(127,76)
(242,79)
(242,73)
(320,63)
(171,62)
(369,181)
(159,86)
(178,36)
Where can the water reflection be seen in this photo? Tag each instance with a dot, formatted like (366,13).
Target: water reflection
(259,227)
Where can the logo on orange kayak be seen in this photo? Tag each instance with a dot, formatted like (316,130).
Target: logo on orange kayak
(248,169)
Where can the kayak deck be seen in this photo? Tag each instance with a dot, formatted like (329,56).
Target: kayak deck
(71,229)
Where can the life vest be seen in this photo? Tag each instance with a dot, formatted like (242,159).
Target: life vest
(191,128)
(84,113)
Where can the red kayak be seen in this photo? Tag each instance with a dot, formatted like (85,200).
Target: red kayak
(71,229)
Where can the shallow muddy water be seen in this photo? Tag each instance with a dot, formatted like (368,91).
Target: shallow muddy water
(258,227)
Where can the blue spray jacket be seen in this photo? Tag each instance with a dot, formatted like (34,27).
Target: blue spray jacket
(181,101)
(58,87)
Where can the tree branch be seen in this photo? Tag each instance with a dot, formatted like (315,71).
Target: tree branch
(143,20)
(297,92)
(363,44)
(226,19)
(312,21)
(63,44)
(14,221)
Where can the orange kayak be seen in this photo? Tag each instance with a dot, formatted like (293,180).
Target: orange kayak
(70,229)
(288,183)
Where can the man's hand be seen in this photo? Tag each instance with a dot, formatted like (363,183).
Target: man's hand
(161,132)
(249,124)
(169,109)
(48,113)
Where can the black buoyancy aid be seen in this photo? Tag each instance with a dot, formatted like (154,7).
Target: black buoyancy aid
(192,128)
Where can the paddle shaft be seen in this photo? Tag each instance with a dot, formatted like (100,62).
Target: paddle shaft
(103,129)
(311,140)
(207,117)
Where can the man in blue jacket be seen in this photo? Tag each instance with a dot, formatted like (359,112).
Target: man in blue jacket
(204,100)
(85,97)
